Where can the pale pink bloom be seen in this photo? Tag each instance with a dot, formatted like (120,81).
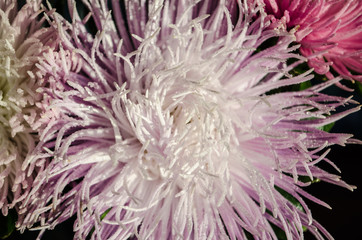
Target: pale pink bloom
(21,44)
(162,126)
(330,32)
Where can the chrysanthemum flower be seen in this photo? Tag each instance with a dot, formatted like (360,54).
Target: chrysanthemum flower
(21,43)
(163,126)
(330,33)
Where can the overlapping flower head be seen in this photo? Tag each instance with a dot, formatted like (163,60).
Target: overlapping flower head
(163,125)
(21,44)
(330,33)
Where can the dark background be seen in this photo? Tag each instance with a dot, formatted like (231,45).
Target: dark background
(344,221)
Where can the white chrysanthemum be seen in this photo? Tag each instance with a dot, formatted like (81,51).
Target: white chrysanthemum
(20,47)
(163,126)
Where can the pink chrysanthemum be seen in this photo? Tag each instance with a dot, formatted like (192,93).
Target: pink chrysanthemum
(162,126)
(330,32)
(21,43)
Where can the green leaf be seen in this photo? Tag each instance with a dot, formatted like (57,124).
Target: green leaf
(102,217)
(328,127)
(358,87)
(306,179)
(279,232)
(105,213)
(290,198)
(305,85)
(7,224)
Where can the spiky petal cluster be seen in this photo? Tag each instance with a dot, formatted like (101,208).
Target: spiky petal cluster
(21,43)
(162,126)
(330,32)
